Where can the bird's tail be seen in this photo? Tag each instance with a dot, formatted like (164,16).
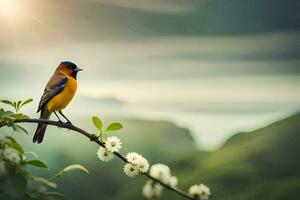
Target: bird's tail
(40,131)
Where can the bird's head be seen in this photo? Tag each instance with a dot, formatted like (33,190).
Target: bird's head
(68,68)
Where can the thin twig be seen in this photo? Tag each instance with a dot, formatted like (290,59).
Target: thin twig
(95,139)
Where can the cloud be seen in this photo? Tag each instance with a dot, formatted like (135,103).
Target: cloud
(252,47)
(157,6)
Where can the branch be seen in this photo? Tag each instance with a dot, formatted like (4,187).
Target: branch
(95,139)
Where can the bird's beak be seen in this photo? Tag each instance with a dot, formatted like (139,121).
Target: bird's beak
(78,69)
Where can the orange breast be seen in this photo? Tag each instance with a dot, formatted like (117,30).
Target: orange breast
(60,101)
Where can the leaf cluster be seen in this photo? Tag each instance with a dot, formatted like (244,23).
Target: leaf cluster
(16,179)
(7,117)
(17,105)
(100,127)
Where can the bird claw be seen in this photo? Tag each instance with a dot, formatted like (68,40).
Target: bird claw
(60,123)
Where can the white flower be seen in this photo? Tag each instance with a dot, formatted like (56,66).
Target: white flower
(113,144)
(161,172)
(139,161)
(173,181)
(152,190)
(133,157)
(104,155)
(12,155)
(131,170)
(143,165)
(201,191)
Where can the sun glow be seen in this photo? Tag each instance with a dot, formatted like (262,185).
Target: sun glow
(10,8)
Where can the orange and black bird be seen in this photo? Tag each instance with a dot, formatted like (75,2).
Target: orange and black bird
(57,95)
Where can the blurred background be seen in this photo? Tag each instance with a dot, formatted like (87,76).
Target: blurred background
(209,87)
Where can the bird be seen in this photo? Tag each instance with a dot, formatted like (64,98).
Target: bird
(58,93)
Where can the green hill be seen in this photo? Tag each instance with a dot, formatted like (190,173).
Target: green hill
(263,164)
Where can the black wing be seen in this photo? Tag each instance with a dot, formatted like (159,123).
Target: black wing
(52,89)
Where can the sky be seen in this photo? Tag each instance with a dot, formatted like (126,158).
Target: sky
(213,66)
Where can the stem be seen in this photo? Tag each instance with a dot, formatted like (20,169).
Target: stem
(101,137)
(95,139)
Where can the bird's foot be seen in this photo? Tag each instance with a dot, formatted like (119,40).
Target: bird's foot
(69,122)
(61,123)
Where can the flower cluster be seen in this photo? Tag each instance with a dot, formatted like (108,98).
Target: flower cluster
(136,164)
(12,155)
(112,144)
(152,190)
(163,173)
(199,191)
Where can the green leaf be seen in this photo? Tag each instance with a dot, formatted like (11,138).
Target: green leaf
(11,139)
(31,152)
(7,102)
(14,127)
(97,123)
(27,101)
(114,127)
(15,145)
(18,116)
(2,111)
(22,129)
(37,163)
(70,168)
(7,121)
(18,105)
(44,181)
